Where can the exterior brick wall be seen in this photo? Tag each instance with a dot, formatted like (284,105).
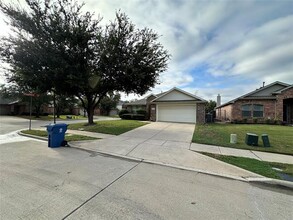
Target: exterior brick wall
(200,113)
(224,113)
(269,108)
(273,108)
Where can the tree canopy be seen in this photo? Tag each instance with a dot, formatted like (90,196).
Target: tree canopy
(58,48)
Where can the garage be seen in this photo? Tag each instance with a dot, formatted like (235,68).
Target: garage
(177,105)
(176,113)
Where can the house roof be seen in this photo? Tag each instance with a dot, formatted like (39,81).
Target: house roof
(196,98)
(266,92)
(7,101)
(144,100)
(282,90)
(137,102)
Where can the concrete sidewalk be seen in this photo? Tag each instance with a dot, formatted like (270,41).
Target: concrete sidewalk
(258,155)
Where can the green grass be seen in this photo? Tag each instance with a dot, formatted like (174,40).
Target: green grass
(36,133)
(114,127)
(286,168)
(281,137)
(260,167)
(68,137)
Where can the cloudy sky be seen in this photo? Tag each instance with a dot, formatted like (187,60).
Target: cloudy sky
(225,47)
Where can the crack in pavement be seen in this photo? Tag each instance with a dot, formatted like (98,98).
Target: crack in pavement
(92,197)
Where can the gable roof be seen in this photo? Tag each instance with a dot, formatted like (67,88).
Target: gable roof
(266,92)
(7,101)
(137,102)
(194,97)
(282,90)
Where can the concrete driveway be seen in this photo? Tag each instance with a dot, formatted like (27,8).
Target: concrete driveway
(163,143)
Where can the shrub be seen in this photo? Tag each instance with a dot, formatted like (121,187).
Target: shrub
(133,116)
(122,112)
(141,112)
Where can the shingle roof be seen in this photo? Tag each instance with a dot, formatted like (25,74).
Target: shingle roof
(7,101)
(261,93)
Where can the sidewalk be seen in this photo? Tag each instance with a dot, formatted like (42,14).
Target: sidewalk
(258,155)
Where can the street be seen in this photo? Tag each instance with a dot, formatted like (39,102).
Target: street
(38,182)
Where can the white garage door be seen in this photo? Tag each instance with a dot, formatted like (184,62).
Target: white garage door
(176,113)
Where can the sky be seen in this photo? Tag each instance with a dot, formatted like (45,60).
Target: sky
(217,47)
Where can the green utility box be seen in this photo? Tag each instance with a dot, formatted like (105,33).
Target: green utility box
(265,140)
(251,139)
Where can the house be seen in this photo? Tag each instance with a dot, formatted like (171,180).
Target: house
(174,105)
(271,102)
(11,106)
(141,104)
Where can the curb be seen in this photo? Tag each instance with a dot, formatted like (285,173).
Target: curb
(32,136)
(251,180)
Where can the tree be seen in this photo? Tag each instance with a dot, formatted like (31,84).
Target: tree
(109,102)
(59,49)
(210,106)
(63,103)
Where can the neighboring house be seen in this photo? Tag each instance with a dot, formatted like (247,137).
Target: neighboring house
(174,105)
(11,106)
(271,102)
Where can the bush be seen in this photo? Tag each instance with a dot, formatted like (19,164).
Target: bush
(141,112)
(133,116)
(45,114)
(122,112)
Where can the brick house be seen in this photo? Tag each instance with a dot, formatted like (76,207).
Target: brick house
(271,102)
(175,105)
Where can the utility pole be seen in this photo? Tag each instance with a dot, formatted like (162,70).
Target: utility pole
(31,95)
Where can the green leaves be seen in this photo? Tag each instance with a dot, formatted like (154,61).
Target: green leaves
(58,47)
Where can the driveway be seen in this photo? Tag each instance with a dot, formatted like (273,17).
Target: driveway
(163,143)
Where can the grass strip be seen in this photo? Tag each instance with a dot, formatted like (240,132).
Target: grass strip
(260,167)
(114,127)
(68,137)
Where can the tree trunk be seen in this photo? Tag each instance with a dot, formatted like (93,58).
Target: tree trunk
(90,115)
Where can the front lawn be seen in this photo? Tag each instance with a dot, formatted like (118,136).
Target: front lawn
(281,137)
(68,137)
(114,127)
(260,167)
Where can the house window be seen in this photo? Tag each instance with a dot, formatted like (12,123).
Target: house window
(249,110)
(246,110)
(258,111)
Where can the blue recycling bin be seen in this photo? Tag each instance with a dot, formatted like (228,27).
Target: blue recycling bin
(56,134)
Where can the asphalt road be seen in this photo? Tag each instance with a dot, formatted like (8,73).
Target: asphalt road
(10,124)
(37,182)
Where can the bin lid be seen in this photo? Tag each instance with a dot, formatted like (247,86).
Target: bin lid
(60,125)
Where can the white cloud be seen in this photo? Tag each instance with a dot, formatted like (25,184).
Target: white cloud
(216,46)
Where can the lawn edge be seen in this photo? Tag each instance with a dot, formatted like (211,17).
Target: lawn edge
(244,149)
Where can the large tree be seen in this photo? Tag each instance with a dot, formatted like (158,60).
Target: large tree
(57,48)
